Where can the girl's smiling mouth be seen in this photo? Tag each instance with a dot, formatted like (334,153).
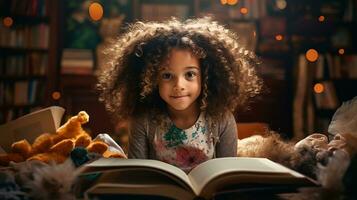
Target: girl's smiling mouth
(179,96)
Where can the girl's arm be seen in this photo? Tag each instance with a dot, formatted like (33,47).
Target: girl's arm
(138,141)
(227,144)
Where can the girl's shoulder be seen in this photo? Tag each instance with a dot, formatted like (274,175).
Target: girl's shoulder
(222,119)
(139,119)
(149,120)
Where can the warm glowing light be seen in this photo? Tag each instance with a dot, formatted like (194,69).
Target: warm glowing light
(7,21)
(56,95)
(321,18)
(281,4)
(244,10)
(96,11)
(279,37)
(223,2)
(312,55)
(341,51)
(124,139)
(254,33)
(232,2)
(319,88)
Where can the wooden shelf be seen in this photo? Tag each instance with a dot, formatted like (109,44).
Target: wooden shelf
(11,50)
(244,20)
(12,106)
(32,55)
(27,19)
(81,81)
(275,54)
(22,77)
(325,113)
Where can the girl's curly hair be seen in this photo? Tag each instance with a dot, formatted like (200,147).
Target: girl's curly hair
(128,84)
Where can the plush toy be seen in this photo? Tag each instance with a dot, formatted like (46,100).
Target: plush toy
(332,161)
(272,146)
(57,147)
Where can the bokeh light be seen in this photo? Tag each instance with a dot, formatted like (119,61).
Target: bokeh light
(321,18)
(244,10)
(279,37)
(223,2)
(319,88)
(281,4)
(56,95)
(8,21)
(312,55)
(341,51)
(96,11)
(232,2)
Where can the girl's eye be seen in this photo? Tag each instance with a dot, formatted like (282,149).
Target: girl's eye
(166,76)
(190,75)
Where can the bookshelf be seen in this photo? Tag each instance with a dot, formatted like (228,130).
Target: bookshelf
(157,10)
(28,56)
(328,80)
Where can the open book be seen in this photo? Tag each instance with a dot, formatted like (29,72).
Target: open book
(156,178)
(30,126)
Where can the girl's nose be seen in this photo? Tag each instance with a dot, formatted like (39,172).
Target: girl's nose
(179,84)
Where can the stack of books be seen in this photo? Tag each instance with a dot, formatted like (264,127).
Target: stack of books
(77,61)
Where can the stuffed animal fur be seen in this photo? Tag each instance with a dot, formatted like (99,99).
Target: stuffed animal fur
(43,181)
(57,147)
(327,161)
(273,147)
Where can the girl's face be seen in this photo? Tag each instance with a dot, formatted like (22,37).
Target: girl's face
(180,80)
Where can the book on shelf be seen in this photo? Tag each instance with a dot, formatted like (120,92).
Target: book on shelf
(349,66)
(327,99)
(28,8)
(159,12)
(24,65)
(332,9)
(77,61)
(272,68)
(246,32)
(328,66)
(267,45)
(35,36)
(341,38)
(155,178)
(22,92)
(255,10)
(301,85)
(272,26)
(30,126)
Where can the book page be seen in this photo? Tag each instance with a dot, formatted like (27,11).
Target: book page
(104,164)
(136,182)
(30,126)
(211,169)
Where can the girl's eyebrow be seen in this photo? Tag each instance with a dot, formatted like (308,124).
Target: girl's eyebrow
(192,67)
(186,68)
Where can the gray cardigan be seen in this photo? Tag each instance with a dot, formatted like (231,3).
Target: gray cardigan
(142,133)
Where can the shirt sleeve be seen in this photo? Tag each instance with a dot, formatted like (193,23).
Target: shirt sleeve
(138,140)
(227,144)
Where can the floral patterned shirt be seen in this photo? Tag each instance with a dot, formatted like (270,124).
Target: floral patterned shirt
(184,148)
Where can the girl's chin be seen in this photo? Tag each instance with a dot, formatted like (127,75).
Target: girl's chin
(179,108)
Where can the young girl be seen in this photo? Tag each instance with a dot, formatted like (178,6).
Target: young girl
(178,84)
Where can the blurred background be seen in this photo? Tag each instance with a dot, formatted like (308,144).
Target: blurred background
(50,51)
